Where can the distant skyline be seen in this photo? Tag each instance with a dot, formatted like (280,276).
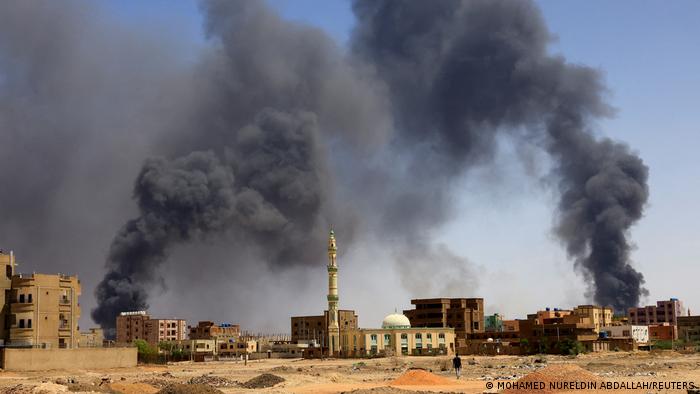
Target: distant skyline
(649,53)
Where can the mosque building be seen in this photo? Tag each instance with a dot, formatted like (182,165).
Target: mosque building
(338,334)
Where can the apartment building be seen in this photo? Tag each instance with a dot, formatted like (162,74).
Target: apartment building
(165,330)
(209,330)
(600,316)
(465,315)
(315,328)
(44,311)
(139,325)
(663,312)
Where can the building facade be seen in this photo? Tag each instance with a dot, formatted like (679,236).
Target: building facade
(94,337)
(465,315)
(44,311)
(663,332)
(139,325)
(209,330)
(38,310)
(600,316)
(640,334)
(689,328)
(397,337)
(165,330)
(663,312)
(314,328)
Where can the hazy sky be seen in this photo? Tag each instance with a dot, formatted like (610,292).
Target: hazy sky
(649,53)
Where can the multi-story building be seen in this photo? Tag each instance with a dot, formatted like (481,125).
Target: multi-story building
(139,325)
(600,316)
(131,326)
(314,328)
(44,311)
(465,315)
(662,312)
(209,330)
(165,330)
(689,328)
(38,310)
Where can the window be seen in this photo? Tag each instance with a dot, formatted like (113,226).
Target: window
(21,298)
(29,298)
(21,323)
(429,336)
(476,325)
(29,323)
(387,340)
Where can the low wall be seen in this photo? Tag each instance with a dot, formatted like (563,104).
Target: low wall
(81,358)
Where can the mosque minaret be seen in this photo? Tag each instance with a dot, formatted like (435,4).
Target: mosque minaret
(333,328)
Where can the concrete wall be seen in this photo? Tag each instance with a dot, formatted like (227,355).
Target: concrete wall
(85,358)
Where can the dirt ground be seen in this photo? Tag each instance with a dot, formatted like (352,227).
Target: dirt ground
(359,376)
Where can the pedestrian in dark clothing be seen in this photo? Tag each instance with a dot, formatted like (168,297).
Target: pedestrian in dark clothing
(457,364)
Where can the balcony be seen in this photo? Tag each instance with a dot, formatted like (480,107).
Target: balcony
(21,307)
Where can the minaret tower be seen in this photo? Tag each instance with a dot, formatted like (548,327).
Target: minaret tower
(333,328)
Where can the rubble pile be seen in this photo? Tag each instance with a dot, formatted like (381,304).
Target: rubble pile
(214,381)
(262,381)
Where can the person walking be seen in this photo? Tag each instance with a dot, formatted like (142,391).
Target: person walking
(457,364)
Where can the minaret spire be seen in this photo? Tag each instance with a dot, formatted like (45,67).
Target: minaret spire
(333,328)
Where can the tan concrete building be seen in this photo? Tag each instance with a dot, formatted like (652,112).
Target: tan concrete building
(397,337)
(131,326)
(314,328)
(165,330)
(600,316)
(465,315)
(43,311)
(663,312)
(94,337)
(209,330)
(139,325)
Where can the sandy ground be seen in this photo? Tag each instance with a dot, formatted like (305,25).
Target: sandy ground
(335,376)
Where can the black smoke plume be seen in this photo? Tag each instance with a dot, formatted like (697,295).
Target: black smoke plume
(274,132)
(267,189)
(460,72)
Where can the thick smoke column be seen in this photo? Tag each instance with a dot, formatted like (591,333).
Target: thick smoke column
(460,72)
(268,190)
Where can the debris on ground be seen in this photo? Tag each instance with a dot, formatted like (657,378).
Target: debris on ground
(18,389)
(214,381)
(178,388)
(421,377)
(556,373)
(156,382)
(262,381)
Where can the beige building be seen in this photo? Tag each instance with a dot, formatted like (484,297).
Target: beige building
(397,337)
(93,337)
(601,316)
(43,311)
(209,330)
(139,325)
